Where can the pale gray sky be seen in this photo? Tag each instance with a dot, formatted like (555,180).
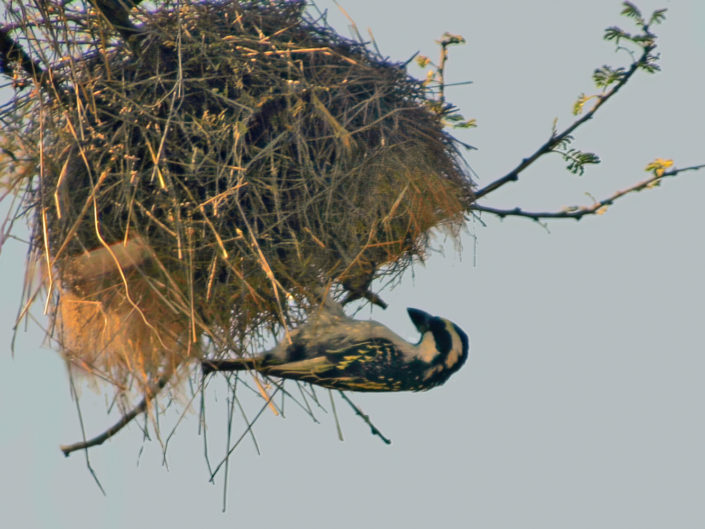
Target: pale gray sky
(582,405)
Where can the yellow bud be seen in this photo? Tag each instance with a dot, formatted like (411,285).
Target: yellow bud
(659,166)
(422,61)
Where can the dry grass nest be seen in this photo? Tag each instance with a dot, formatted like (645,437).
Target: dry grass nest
(201,181)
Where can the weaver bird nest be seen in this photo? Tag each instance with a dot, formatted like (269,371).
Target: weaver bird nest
(202,180)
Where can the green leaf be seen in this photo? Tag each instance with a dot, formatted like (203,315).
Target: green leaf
(577,160)
(422,61)
(580,103)
(657,16)
(631,11)
(563,143)
(449,38)
(616,34)
(467,124)
(607,75)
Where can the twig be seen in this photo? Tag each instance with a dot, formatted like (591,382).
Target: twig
(366,294)
(556,139)
(151,392)
(83,431)
(365,418)
(232,448)
(578,212)
(335,416)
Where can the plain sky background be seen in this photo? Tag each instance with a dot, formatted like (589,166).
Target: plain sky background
(583,402)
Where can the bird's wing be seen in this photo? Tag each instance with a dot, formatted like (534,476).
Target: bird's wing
(299,368)
(332,369)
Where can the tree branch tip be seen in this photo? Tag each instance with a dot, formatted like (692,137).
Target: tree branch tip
(67,450)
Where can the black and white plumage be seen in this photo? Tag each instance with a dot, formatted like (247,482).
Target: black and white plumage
(338,352)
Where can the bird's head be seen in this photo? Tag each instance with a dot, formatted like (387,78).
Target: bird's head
(443,346)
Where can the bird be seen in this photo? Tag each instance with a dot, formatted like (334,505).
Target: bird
(335,351)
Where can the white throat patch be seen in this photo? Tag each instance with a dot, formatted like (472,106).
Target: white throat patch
(427,348)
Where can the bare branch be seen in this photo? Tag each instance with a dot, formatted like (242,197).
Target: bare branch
(578,212)
(365,418)
(151,392)
(556,139)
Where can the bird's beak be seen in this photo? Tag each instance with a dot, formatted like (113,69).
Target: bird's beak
(420,319)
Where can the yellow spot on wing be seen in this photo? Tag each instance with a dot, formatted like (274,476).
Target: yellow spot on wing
(357,384)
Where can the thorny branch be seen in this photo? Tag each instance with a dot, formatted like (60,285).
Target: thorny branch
(578,212)
(557,138)
(604,77)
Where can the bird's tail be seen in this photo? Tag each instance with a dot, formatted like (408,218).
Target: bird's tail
(240,364)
